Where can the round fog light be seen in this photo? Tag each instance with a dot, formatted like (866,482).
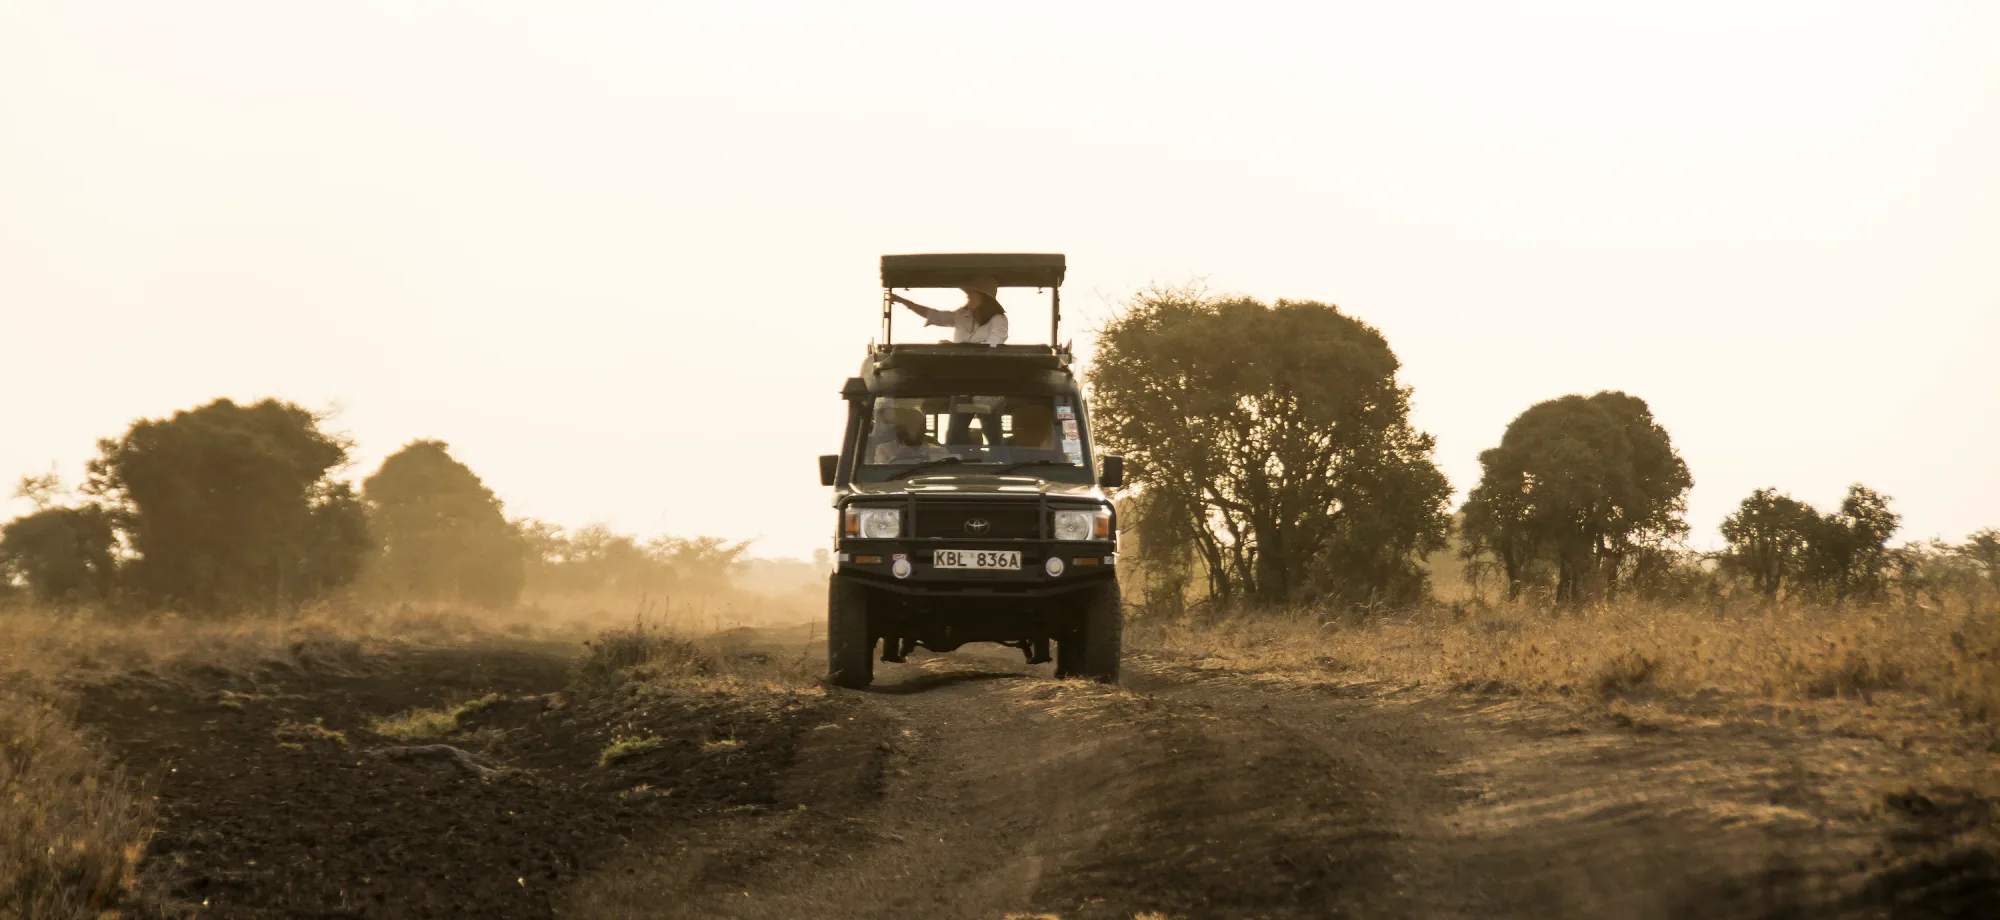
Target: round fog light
(1054,567)
(900,568)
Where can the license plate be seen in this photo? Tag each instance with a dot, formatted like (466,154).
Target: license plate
(977,559)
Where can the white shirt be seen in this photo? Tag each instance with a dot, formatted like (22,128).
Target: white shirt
(991,332)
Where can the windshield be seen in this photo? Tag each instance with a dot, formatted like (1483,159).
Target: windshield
(981,431)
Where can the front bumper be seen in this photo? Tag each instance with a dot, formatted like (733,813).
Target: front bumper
(1085,563)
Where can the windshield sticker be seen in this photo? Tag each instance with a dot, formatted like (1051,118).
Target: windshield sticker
(1064,411)
(1074,450)
(1069,430)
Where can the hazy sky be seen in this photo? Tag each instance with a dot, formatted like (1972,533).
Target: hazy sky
(621,255)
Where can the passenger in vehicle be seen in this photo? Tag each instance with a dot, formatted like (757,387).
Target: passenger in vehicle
(1034,427)
(899,437)
(982,321)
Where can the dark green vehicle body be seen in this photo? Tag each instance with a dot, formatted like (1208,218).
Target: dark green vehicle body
(984,542)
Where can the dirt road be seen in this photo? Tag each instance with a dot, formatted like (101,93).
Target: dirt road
(973,786)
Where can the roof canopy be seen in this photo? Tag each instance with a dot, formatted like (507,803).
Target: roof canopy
(924,370)
(947,270)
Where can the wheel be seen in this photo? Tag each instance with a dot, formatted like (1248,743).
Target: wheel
(850,649)
(1093,649)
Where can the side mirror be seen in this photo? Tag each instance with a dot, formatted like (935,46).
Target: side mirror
(1111,471)
(829,465)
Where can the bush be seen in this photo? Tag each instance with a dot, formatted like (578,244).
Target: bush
(619,653)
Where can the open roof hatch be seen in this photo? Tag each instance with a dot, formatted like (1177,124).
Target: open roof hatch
(957,269)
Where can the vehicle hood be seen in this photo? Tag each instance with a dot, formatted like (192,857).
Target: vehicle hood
(975,484)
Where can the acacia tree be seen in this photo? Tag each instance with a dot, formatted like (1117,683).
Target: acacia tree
(1780,541)
(1277,438)
(1769,535)
(440,530)
(1580,483)
(1982,549)
(1848,551)
(596,559)
(227,506)
(60,554)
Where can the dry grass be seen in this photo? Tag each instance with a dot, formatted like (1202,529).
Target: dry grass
(1618,651)
(430,723)
(302,732)
(72,828)
(624,746)
(645,657)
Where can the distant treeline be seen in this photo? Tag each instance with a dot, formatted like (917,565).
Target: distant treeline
(1272,461)
(228,507)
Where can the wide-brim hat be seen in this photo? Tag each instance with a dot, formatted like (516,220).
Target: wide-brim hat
(982,286)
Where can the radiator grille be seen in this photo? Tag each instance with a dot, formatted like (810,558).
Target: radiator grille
(1015,520)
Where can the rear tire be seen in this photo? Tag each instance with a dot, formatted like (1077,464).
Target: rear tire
(1094,649)
(850,648)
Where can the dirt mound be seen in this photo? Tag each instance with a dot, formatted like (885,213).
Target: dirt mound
(281,795)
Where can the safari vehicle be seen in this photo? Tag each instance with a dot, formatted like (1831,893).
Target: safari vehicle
(968,505)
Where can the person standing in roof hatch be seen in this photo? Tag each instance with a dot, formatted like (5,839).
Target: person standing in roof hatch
(982,321)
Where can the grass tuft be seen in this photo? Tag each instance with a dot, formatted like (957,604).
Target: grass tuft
(1975,668)
(302,732)
(1624,674)
(429,723)
(625,746)
(643,653)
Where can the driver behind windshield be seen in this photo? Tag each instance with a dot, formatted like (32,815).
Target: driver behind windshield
(899,437)
(1034,427)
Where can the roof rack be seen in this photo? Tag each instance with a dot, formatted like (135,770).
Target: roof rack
(949,270)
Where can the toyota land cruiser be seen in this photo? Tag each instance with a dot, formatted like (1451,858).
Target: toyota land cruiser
(968,505)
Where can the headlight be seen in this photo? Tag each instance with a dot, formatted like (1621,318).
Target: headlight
(875,523)
(1073,525)
(1083,525)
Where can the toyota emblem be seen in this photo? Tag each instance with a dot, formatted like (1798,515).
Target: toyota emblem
(976,526)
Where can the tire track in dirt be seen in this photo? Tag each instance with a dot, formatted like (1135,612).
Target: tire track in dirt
(972,786)
(990,790)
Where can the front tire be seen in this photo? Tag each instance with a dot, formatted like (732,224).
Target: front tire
(850,649)
(1093,650)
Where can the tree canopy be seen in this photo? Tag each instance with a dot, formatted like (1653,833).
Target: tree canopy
(229,506)
(440,530)
(1982,550)
(1274,441)
(1577,484)
(60,554)
(595,559)
(1769,536)
(1781,542)
(1850,554)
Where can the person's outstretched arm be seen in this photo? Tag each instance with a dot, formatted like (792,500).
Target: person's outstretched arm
(932,317)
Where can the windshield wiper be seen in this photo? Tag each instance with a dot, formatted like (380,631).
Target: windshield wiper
(1015,466)
(927,464)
